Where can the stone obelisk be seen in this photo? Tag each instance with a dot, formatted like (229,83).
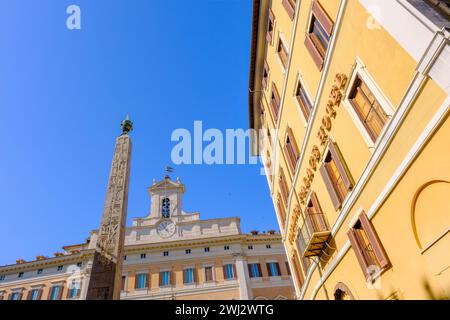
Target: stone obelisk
(106,273)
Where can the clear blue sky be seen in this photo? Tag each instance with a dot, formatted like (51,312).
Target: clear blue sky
(63,94)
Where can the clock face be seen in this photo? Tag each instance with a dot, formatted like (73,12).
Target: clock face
(166,228)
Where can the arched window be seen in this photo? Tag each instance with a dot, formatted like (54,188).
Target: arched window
(342,292)
(165,210)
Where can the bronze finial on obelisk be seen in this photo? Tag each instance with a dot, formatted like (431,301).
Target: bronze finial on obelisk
(106,273)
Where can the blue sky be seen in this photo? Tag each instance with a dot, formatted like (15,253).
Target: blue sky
(63,94)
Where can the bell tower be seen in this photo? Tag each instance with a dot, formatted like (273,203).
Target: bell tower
(166,198)
(106,273)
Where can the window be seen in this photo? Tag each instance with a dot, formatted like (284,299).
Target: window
(297,269)
(166,253)
(164,278)
(367,108)
(55,293)
(270,27)
(207,249)
(250,247)
(226,248)
(124,279)
(60,268)
(289,5)
(2,277)
(20,275)
(74,290)
(142,281)
(282,53)
(274,269)
(313,214)
(124,257)
(284,190)
(281,210)
(143,255)
(335,175)
(368,248)
(34,294)
(291,150)
(73,293)
(319,34)
(229,271)
(188,276)
(15,296)
(209,274)
(254,270)
(79,264)
(188,251)
(275,102)
(303,100)
(265,78)
(165,211)
(39,271)
(268,246)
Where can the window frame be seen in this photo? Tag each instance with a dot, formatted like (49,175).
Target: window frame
(282,44)
(270,35)
(375,243)
(360,70)
(318,14)
(344,172)
(275,102)
(300,84)
(290,7)
(292,151)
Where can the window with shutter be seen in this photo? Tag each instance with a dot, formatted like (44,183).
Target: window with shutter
(319,34)
(282,53)
(369,110)
(265,77)
(275,102)
(303,100)
(335,175)
(291,150)
(289,5)
(281,210)
(288,269)
(284,190)
(124,278)
(270,27)
(208,274)
(368,248)
(297,269)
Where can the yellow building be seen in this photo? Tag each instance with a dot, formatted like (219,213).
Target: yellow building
(169,254)
(351,102)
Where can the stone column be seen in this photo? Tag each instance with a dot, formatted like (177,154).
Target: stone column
(245,290)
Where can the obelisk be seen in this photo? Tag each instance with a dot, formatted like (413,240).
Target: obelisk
(106,273)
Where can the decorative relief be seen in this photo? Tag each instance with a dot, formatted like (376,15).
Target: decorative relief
(114,210)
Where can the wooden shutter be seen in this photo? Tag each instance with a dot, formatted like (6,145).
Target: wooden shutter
(268,269)
(160,279)
(171,278)
(184,276)
(123,282)
(315,54)
(60,293)
(289,8)
(147,280)
(195,271)
(269,34)
(278,268)
(358,251)
(224,270)
(234,271)
(79,289)
(136,281)
(315,202)
(334,197)
(39,296)
(259,269)
(68,293)
(323,17)
(338,159)
(378,248)
(29,294)
(250,270)
(9,296)
(293,143)
(288,269)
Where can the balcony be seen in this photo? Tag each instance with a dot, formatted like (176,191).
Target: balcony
(314,235)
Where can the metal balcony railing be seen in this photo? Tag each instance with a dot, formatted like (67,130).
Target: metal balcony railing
(314,234)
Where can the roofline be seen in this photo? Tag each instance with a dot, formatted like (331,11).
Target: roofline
(253,47)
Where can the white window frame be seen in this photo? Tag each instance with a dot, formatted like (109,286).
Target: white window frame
(301,81)
(360,70)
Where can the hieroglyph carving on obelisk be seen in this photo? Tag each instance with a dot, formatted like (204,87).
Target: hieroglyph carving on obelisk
(106,272)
